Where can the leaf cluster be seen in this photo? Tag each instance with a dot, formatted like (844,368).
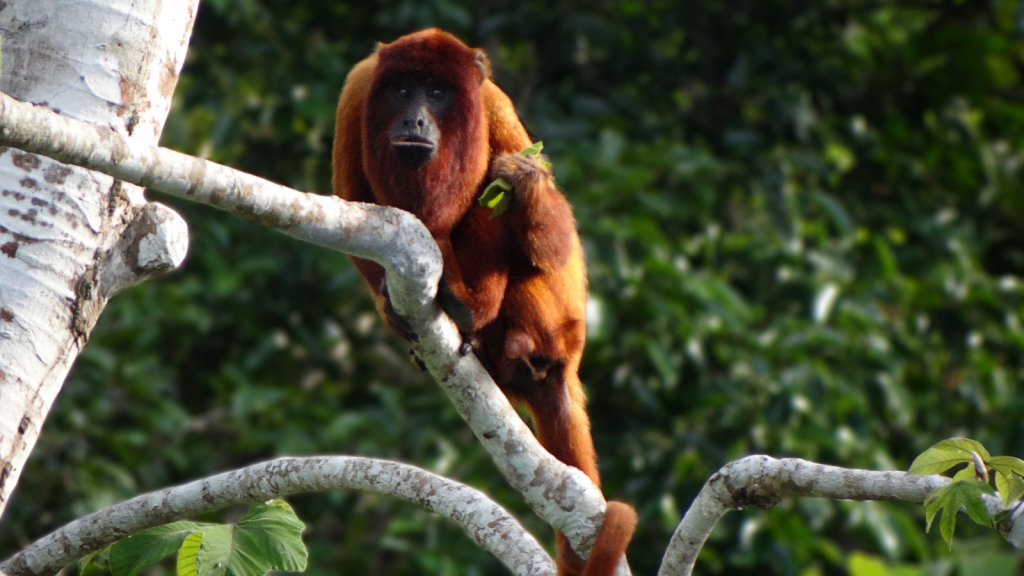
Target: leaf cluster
(267,537)
(969,483)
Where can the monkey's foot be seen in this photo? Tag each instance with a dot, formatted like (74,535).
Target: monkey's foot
(538,367)
(416,360)
(469,344)
(397,322)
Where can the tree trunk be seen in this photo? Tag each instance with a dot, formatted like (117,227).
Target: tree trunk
(71,238)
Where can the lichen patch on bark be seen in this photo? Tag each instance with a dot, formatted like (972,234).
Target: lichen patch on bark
(25,161)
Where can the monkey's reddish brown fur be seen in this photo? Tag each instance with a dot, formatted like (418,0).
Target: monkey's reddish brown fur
(521,276)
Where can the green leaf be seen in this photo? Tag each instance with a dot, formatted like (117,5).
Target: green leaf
(968,445)
(267,538)
(130,555)
(496,197)
(966,474)
(95,564)
(886,260)
(946,454)
(272,534)
(974,505)
(859,564)
(1010,486)
(947,524)
(948,500)
(188,564)
(532,150)
(840,156)
(1009,471)
(837,212)
(214,555)
(931,507)
(1006,465)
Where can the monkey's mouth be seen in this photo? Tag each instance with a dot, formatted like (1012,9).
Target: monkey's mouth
(413,150)
(413,141)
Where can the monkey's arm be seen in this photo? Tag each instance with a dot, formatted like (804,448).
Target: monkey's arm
(476,274)
(539,216)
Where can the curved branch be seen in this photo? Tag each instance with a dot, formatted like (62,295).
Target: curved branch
(490,526)
(763,481)
(562,495)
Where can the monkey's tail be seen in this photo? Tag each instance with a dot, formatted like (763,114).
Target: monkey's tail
(559,415)
(616,531)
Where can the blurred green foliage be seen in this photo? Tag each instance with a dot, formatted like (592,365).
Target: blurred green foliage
(803,226)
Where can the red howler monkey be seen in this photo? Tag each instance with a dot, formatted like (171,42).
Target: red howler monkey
(422,127)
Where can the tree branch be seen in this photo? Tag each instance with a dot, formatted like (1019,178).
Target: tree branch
(70,237)
(490,526)
(155,241)
(562,495)
(763,481)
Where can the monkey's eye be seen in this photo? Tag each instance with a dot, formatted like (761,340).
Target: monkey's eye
(403,92)
(436,93)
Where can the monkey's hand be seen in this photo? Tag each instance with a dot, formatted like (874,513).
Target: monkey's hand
(538,214)
(448,302)
(400,325)
(457,310)
(394,319)
(522,173)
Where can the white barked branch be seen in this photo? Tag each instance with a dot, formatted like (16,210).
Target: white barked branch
(763,481)
(487,523)
(70,237)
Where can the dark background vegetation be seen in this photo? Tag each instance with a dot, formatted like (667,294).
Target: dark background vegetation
(803,225)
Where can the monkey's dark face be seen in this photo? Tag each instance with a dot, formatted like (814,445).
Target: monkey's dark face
(418,105)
